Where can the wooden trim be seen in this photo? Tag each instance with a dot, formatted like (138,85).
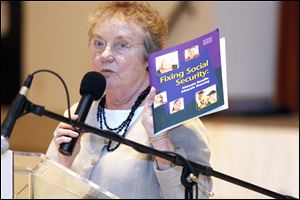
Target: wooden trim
(287,79)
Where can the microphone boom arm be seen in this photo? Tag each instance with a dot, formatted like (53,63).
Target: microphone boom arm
(198,168)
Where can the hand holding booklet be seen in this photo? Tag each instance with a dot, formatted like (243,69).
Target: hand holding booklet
(190,81)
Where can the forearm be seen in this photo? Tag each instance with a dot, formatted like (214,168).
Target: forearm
(54,154)
(66,161)
(163,143)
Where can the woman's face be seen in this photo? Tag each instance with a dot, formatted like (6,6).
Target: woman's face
(158,99)
(119,68)
(200,95)
(177,105)
(213,96)
(191,51)
(166,65)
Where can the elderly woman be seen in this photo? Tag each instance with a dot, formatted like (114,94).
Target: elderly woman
(121,35)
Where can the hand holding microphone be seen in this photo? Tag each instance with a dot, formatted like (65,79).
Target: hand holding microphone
(91,89)
(64,134)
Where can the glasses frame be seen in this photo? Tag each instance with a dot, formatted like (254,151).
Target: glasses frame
(111,45)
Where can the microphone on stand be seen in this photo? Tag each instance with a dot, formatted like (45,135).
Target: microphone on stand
(91,89)
(16,110)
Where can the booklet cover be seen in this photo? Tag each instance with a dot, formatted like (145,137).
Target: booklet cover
(190,81)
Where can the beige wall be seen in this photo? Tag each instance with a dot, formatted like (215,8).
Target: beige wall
(198,20)
(55,35)
(263,151)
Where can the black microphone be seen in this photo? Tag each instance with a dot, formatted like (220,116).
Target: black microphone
(91,89)
(15,111)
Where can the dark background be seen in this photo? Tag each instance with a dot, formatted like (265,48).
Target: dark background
(11,55)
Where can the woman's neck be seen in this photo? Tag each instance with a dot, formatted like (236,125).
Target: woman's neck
(123,98)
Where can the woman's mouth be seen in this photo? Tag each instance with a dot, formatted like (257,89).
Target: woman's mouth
(106,71)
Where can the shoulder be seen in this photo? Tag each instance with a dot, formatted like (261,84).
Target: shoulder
(193,127)
(192,137)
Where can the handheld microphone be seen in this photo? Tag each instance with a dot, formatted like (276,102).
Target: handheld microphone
(16,109)
(91,89)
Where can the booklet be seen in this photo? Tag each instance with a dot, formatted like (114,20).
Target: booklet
(190,81)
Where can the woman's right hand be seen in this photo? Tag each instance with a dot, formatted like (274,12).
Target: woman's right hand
(64,134)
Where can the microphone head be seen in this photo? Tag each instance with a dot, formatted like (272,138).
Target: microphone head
(93,83)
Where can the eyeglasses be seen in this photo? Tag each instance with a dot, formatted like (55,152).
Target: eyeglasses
(97,46)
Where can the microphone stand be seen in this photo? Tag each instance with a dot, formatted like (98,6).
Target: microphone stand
(187,178)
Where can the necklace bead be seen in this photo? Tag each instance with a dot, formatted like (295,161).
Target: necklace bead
(125,124)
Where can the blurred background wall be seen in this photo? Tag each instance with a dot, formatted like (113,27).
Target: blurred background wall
(262,47)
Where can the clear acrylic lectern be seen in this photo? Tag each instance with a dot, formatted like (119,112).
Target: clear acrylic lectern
(36,176)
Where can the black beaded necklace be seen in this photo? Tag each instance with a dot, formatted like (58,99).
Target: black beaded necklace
(125,124)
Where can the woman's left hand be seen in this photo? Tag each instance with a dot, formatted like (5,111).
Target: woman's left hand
(163,142)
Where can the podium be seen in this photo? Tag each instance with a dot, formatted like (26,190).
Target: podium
(36,176)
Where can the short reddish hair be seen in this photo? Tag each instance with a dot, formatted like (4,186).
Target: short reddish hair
(141,13)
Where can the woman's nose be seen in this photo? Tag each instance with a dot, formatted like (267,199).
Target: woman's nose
(107,52)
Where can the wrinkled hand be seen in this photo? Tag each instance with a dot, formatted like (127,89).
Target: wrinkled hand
(63,134)
(162,142)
